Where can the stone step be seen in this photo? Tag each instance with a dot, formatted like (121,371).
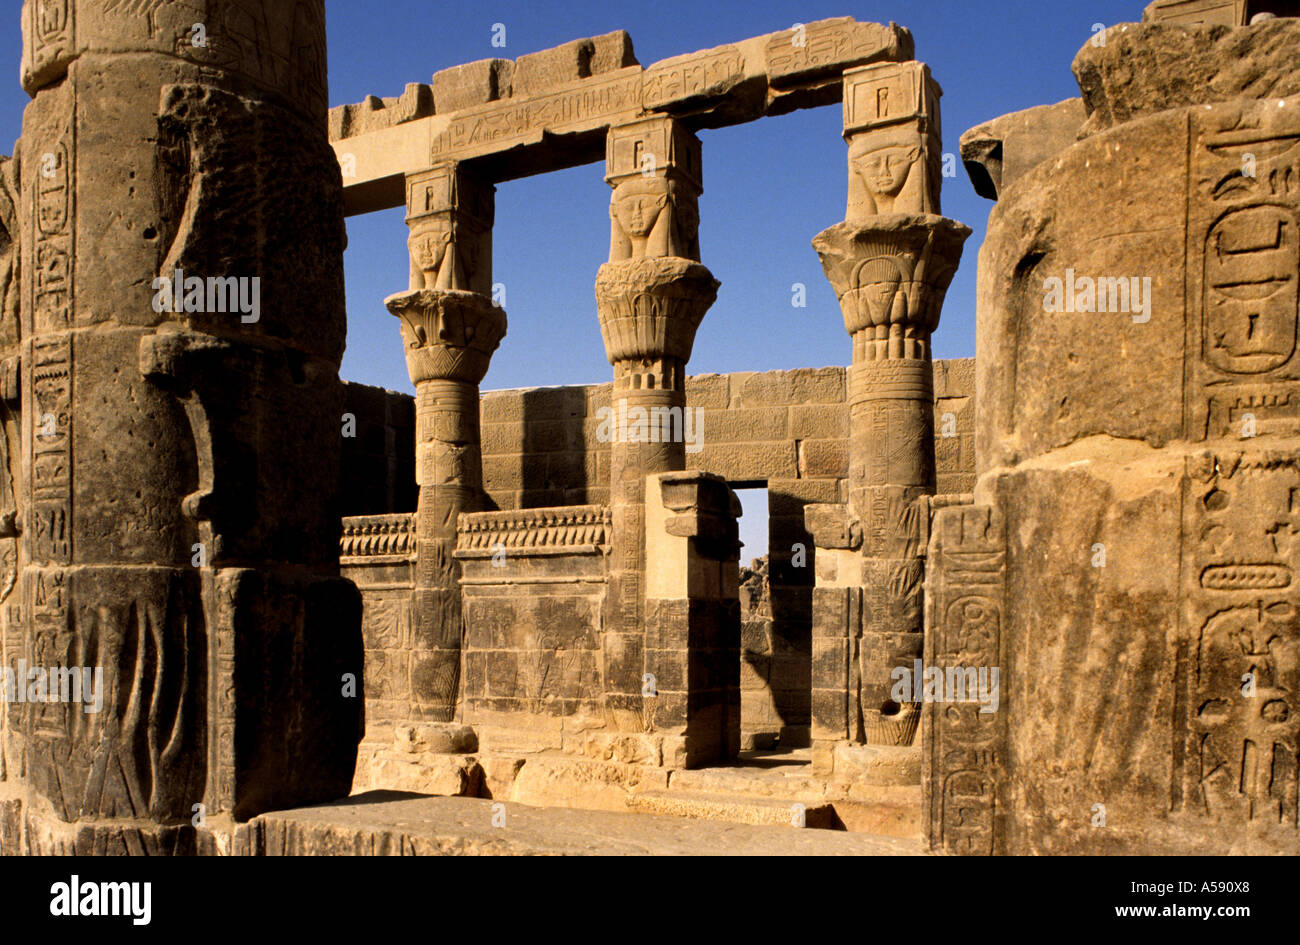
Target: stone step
(764,811)
(748,783)
(392,823)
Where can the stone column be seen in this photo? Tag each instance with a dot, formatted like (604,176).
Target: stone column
(450,328)
(890,262)
(182,323)
(651,297)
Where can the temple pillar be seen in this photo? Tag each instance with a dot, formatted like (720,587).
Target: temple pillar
(181,326)
(450,327)
(890,263)
(651,297)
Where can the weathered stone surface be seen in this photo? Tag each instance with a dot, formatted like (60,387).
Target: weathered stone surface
(1151,67)
(552,109)
(890,272)
(1196,12)
(416,101)
(464,827)
(1000,152)
(1136,391)
(473,83)
(179,479)
(579,59)
(550,607)
(1162,736)
(279,48)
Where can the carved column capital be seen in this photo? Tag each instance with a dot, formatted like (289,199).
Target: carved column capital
(449,211)
(448,334)
(891,125)
(653,164)
(890,275)
(649,309)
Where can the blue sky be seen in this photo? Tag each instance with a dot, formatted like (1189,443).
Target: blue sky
(769,186)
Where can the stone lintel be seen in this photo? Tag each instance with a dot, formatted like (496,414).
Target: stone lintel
(519,130)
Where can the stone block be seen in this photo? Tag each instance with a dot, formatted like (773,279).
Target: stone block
(823,458)
(472,83)
(819,421)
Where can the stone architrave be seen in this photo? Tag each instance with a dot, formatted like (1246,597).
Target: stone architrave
(555,108)
(450,327)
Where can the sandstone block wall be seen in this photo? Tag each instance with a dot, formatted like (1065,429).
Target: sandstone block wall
(379,455)
(533,587)
(786,428)
(783,430)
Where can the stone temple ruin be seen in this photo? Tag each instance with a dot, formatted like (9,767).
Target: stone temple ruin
(535,595)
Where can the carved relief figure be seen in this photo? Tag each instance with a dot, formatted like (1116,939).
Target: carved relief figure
(431,251)
(880,172)
(653,218)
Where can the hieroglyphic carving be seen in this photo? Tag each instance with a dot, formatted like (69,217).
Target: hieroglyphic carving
(1243,256)
(50,435)
(1237,751)
(682,77)
(796,54)
(495,126)
(52,177)
(966,601)
(219,593)
(1196,12)
(12,499)
(50,28)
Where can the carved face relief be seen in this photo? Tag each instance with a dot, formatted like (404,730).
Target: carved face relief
(638,212)
(428,248)
(687,215)
(885,170)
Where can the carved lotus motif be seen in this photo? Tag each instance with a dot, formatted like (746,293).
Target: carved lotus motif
(448,334)
(651,308)
(890,275)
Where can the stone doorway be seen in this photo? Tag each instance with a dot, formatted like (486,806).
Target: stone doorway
(760,723)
